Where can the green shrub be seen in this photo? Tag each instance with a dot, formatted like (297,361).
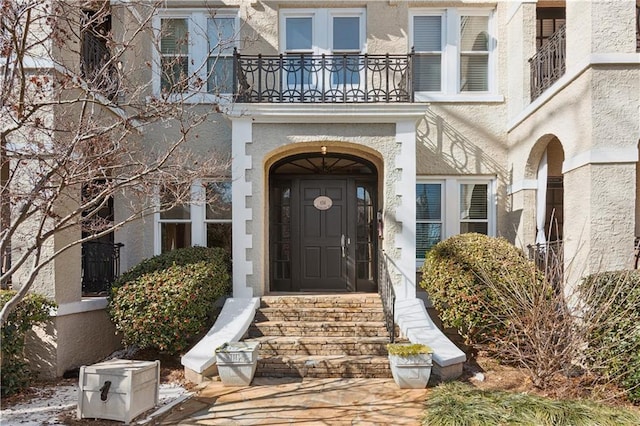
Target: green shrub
(183,256)
(33,309)
(166,308)
(613,307)
(455,273)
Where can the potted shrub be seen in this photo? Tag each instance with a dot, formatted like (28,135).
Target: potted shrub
(410,364)
(237,362)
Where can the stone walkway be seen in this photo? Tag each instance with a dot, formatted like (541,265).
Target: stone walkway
(291,401)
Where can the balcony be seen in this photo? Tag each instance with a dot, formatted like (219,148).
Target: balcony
(306,78)
(549,63)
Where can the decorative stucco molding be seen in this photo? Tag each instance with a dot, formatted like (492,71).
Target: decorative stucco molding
(521,185)
(241,135)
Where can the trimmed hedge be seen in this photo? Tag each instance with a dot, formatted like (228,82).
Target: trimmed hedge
(454,275)
(168,300)
(33,309)
(183,256)
(614,340)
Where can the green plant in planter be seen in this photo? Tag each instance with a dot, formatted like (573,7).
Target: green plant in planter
(408,349)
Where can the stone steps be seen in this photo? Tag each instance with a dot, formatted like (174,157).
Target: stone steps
(318,329)
(296,345)
(324,366)
(366,314)
(321,336)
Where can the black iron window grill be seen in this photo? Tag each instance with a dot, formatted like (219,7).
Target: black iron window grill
(96,65)
(100,267)
(549,63)
(306,78)
(638,26)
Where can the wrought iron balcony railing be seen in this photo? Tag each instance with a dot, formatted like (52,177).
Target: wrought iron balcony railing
(549,63)
(100,267)
(306,78)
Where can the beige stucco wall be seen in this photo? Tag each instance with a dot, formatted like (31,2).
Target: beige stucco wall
(70,341)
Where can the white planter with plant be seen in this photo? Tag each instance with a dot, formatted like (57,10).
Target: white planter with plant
(237,362)
(410,364)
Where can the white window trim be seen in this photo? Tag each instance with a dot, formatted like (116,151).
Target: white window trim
(450,70)
(451,203)
(197,218)
(198,53)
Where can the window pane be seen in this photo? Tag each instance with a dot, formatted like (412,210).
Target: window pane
(174,73)
(174,37)
(473,201)
(427,235)
(299,34)
(474,35)
(218,200)
(221,35)
(177,212)
(175,235)
(220,75)
(427,33)
(428,201)
(346,70)
(298,71)
(346,33)
(479,227)
(219,235)
(474,73)
(427,73)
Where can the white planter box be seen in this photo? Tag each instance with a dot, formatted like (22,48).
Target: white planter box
(237,362)
(411,372)
(118,389)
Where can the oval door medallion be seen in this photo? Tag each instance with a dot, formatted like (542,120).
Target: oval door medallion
(322,202)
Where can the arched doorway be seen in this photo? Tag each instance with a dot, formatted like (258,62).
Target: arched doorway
(323,223)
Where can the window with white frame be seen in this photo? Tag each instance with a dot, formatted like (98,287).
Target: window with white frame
(452,205)
(454,51)
(340,32)
(195,51)
(204,221)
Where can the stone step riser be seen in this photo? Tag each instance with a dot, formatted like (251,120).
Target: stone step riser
(284,315)
(348,369)
(259,330)
(275,349)
(324,303)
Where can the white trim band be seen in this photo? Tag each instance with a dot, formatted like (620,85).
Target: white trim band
(601,156)
(521,185)
(85,305)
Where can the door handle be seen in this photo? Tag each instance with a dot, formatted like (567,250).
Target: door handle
(344,244)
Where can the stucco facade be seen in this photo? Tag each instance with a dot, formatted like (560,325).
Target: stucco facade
(580,134)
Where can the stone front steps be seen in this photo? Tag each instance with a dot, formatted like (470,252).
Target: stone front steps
(321,336)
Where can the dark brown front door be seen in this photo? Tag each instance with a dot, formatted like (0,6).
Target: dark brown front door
(323,237)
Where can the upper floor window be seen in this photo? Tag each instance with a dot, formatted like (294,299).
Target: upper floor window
(454,51)
(195,52)
(548,21)
(337,32)
(450,206)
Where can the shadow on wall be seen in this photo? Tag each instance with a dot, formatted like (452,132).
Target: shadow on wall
(444,150)
(40,350)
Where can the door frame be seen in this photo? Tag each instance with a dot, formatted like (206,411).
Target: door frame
(283,277)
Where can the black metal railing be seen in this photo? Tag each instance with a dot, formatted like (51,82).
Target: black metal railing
(549,63)
(387,294)
(100,267)
(549,258)
(306,78)
(96,65)
(638,27)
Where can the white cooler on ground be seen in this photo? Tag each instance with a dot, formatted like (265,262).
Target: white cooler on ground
(118,389)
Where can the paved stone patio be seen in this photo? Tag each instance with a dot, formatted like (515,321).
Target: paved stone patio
(291,401)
